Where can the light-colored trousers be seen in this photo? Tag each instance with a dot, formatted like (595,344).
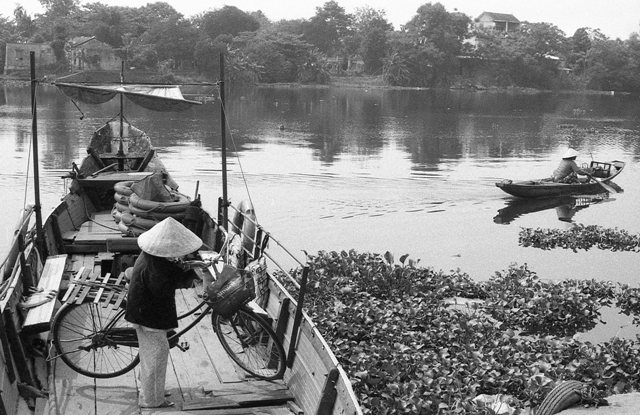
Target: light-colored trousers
(154,355)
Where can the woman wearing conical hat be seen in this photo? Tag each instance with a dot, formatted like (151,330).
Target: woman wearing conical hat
(568,170)
(151,305)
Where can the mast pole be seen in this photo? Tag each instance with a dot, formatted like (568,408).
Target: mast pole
(34,136)
(120,145)
(223,126)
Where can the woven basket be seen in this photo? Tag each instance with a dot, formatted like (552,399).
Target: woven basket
(232,289)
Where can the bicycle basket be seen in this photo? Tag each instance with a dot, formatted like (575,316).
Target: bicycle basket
(233,289)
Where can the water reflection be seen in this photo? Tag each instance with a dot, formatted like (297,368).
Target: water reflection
(565,206)
(409,171)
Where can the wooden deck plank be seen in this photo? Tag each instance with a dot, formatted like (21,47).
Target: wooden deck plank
(80,395)
(98,296)
(73,288)
(97,229)
(224,368)
(262,398)
(85,289)
(191,376)
(197,369)
(258,410)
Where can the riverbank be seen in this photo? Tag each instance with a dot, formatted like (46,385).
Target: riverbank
(350,81)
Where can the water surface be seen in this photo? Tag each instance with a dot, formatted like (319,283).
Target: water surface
(406,171)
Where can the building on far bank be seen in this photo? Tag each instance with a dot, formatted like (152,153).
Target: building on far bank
(500,22)
(17,56)
(88,53)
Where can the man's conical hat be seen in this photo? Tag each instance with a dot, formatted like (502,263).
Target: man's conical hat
(169,238)
(570,153)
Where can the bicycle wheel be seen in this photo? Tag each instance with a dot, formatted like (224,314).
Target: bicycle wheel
(95,341)
(251,343)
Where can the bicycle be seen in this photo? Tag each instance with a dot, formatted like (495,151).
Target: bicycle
(98,342)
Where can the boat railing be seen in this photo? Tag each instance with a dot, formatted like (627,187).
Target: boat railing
(259,241)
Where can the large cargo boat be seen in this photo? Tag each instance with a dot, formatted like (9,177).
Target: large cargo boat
(77,254)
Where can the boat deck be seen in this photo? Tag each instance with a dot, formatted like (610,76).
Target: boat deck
(203,380)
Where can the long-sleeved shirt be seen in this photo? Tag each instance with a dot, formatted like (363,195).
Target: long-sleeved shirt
(565,168)
(151,298)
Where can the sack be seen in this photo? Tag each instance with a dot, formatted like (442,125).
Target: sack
(232,289)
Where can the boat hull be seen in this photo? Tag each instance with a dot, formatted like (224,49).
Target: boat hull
(603,173)
(531,189)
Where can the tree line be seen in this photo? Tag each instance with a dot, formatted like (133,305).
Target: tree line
(436,48)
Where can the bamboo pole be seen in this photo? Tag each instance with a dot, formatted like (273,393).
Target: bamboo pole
(36,164)
(223,126)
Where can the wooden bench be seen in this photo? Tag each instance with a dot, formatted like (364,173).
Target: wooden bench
(38,318)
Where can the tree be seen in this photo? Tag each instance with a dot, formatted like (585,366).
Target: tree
(407,64)
(173,39)
(543,39)
(579,45)
(6,35)
(611,65)
(282,57)
(328,28)
(429,47)
(529,57)
(206,53)
(228,20)
(109,27)
(24,24)
(60,8)
(371,27)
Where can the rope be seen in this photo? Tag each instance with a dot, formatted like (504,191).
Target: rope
(244,179)
(26,184)
(86,212)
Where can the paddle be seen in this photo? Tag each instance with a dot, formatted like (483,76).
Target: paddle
(605,186)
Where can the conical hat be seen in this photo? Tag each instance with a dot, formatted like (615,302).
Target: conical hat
(570,154)
(169,238)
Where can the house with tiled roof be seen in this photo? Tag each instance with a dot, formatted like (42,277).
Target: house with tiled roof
(88,53)
(497,21)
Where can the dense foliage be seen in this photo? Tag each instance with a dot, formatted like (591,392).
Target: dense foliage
(410,344)
(580,237)
(434,48)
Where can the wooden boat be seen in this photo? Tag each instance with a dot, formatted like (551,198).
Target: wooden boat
(80,239)
(603,172)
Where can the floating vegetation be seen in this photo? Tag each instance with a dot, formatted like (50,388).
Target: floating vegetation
(409,349)
(580,237)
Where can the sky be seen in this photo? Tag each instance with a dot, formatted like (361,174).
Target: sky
(614,18)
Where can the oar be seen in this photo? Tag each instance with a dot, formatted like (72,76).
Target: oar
(602,184)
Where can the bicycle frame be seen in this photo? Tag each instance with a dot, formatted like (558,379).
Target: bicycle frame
(175,335)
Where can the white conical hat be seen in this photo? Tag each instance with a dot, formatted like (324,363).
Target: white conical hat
(570,154)
(169,238)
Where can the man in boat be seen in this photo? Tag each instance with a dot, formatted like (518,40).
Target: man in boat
(568,171)
(151,305)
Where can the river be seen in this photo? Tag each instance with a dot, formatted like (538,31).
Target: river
(406,171)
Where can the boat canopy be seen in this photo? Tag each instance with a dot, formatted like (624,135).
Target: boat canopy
(153,97)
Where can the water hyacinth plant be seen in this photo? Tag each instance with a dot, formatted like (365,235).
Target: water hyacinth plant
(580,237)
(409,349)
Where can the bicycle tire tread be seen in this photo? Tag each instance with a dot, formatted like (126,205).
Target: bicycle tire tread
(58,321)
(272,335)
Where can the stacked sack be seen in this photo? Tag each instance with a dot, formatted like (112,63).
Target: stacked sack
(140,205)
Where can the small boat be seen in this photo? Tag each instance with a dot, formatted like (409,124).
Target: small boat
(603,172)
(117,192)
